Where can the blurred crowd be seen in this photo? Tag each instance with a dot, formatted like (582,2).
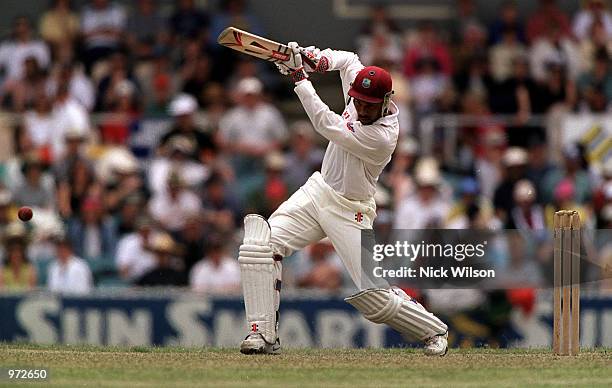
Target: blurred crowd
(140,143)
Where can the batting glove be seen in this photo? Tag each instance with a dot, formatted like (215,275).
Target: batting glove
(293,67)
(316,62)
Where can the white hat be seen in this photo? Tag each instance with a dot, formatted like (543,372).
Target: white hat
(249,85)
(124,88)
(427,172)
(116,160)
(408,146)
(75,132)
(524,191)
(183,104)
(276,161)
(162,242)
(514,156)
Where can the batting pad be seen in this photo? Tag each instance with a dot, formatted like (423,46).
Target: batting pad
(260,276)
(395,308)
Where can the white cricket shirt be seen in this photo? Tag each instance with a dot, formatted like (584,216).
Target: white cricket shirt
(356,153)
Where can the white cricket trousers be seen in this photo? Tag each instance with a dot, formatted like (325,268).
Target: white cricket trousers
(315,211)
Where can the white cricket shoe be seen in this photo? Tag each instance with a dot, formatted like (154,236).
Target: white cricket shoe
(254,343)
(436,345)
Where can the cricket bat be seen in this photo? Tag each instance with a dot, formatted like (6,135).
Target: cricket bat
(256,46)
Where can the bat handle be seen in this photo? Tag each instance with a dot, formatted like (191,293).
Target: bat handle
(309,62)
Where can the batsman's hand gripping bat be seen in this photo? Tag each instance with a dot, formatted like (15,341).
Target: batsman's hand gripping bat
(257,46)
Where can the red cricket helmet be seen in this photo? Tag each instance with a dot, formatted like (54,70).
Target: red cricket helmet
(372,84)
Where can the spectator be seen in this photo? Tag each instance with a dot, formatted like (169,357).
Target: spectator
(597,41)
(473,44)
(196,70)
(527,216)
(12,169)
(145,30)
(402,165)
(251,130)
(110,86)
(428,85)
(180,162)
(59,25)
(222,211)
(505,53)
(323,270)
(17,274)
(127,214)
(518,95)
(466,18)
(74,173)
(188,21)
(379,39)
(426,208)
(164,273)
(38,121)
(508,19)
(595,87)
(102,26)
(173,206)
(594,11)
(161,93)
(553,48)
(557,90)
(427,45)
(380,20)
(564,197)
(22,45)
(194,240)
(133,259)
(475,78)
(234,13)
(123,114)
(269,193)
(217,272)
(571,171)
(538,165)
(304,157)
(459,215)
(80,87)
(183,108)
(68,274)
(34,191)
(94,234)
(20,94)
(214,103)
(548,12)
(122,178)
(514,164)
(68,115)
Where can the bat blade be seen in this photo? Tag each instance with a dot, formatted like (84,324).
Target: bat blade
(253,45)
(257,46)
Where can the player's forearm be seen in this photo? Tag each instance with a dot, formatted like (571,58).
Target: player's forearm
(324,120)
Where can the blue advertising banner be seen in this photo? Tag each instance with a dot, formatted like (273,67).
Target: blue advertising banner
(194,320)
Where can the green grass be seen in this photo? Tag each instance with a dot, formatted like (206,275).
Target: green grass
(182,367)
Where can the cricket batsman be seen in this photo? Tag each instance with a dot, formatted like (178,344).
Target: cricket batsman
(336,202)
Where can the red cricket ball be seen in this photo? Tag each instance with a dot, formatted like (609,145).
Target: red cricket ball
(25,214)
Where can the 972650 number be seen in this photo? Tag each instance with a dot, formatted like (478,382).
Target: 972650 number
(26,374)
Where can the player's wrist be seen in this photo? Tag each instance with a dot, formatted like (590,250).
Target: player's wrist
(298,75)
